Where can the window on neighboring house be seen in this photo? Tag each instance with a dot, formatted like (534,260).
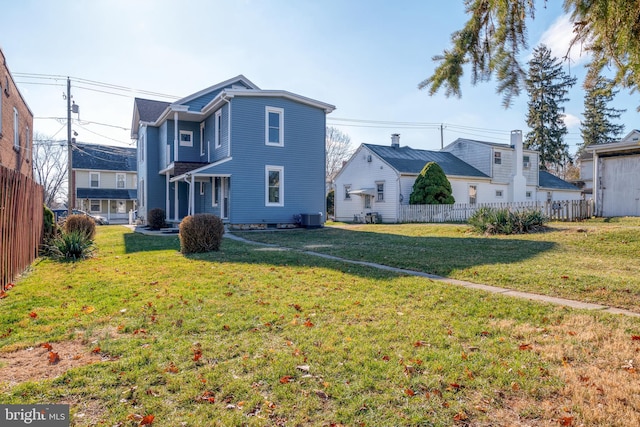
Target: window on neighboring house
(202,139)
(347,188)
(380,191)
(121,180)
(497,158)
(218,128)
(215,199)
(274,185)
(528,194)
(141,147)
(367,201)
(16,131)
(499,194)
(526,163)
(549,196)
(473,194)
(186,138)
(94,179)
(95,206)
(275,126)
(202,186)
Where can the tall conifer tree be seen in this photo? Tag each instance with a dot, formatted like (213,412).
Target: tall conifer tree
(547,85)
(598,127)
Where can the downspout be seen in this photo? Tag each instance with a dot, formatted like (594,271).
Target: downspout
(223,96)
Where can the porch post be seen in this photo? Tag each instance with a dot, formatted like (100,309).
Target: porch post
(192,204)
(175,136)
(175,201)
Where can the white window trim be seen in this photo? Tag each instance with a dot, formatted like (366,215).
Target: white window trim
(16,130)
(475,187)
(377,199)
(184,143)
(91,206)
(90,180)
(215,188)
(279,169)
(141,147)
(201,188)
(497,158)
(202,139)
(499,194)
(217,120)
(124,179)
(280,111)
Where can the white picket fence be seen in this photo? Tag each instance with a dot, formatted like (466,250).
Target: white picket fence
(565,210)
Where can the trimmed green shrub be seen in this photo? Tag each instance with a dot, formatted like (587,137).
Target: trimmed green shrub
(431,187)
(71,246)
(80,223)
(49,224)
(200,233)
(156,219)
(504,221)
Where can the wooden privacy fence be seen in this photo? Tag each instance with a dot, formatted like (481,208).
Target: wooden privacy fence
(566,210)
(21,210)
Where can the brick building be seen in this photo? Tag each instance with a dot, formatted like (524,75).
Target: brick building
(16,126)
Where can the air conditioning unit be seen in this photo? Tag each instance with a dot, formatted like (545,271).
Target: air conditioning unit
(369,158)
(311,220)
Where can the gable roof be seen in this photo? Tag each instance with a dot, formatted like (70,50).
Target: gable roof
(149,110)
(411,161)
(104,157)
(547,180)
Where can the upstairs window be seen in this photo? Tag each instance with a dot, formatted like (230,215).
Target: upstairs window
(16,131)
(202,139)
(186,138)
(497,158)
(274,132)
(94,180)
(526,162)
(120,180)
(347,196)
(218,128)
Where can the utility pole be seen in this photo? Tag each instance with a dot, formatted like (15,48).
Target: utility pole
(441,136)
(69,149)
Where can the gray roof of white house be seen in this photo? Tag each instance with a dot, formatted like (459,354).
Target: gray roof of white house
(104,157)
(411,161)
(547,180)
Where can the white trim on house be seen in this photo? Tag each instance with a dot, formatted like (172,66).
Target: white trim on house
(268,126)
(217,128)
(267,193)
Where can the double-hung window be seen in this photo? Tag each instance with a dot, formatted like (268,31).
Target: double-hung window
(94,179)
(218,128)
(347,196)
(274,186)
(380,191)
(497,158)
(121,180)
(274,129)
(215,199)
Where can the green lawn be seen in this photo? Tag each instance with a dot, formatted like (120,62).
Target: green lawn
(259,336)
(594,261)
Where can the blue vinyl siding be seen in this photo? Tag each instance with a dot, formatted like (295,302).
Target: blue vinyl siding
(155,198)
(200,102)
(221,152)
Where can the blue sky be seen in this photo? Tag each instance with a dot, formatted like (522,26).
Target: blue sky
(366,57)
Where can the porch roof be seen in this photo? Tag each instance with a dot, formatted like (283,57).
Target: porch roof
(107,193)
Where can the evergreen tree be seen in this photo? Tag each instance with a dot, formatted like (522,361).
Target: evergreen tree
(547,85)
(431,187)
(597,127)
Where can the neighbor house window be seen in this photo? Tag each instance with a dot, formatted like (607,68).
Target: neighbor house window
(347,188)
(497,158)
(274,131)
(218,128)
(121,179)
(367,201)
(95,206)
(216,192)
(202,139)
(499,194)
(274,185)
(549,196)
(526,163)
(94,179)
(473,194)
(528,194)
(380,191)
(16,131)
(186,138)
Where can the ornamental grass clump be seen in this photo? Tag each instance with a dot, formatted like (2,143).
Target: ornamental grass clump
(156,219)
(504,221)
(200,233)
(71,246)
(81,223)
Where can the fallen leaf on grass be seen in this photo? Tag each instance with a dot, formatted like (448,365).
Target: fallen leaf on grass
(147,420)
(172,368)
(460,416)
(635,337)
(96,350)
(286,379)
(566,421)
(33,314)
(525,347)
(420,343)
(308,324)
(87,309)
(197,354)
(409,392)
(3,294)
(47,346)
(207,396)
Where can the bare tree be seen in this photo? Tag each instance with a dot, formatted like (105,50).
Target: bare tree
(338,145)
(50,168)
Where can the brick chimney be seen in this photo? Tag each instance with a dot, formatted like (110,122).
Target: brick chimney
(395,140)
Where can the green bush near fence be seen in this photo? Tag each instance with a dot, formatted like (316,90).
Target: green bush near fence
(505,221)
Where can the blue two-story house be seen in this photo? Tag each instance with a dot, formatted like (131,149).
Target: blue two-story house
(254,157)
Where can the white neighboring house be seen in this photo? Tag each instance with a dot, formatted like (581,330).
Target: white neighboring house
(615,168)
(380,178)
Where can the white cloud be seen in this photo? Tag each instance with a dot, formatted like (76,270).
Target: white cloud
(571,121)
(558,38)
